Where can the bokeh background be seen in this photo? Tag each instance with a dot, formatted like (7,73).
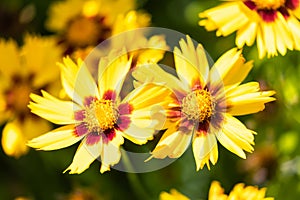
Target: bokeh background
(275,163)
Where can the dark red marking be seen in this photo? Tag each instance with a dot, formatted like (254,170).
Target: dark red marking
(108,135)
(81,129)
(123,122)
(89,100)
(251,5)
(92,138)
(292,4)
(109,95)
(268,15)
(125,108)
(79,115)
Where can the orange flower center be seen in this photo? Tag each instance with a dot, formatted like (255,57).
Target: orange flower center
(269,4)
(101,115)
(17,96)
(83,31)
(198,105)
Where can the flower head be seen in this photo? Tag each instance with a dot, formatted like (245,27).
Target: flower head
(22,71)
(240,191)
(273,23)
(216,192)
(85,23)
(97,115)
(204,103)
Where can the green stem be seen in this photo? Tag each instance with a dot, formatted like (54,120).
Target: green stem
(134,179)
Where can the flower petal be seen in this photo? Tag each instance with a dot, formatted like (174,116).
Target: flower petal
(13,140)
(188,63)
(205,149)
(152,73)
(53,109)
(230,68)
(243,102)
(112,71)
(57,139)
(84,156)
(235,137)
(111,153)
(77,80)
(173,144)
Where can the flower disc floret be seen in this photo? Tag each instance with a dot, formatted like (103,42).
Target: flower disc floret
(269,4)
(198,105)
(101,115)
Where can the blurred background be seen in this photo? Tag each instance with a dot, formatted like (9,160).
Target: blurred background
(275,163)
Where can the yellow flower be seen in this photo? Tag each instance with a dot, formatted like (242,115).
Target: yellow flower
(273,23)
(205,102)
(216,192)
(83,23)
(97,115)
(22,71)
(173,195)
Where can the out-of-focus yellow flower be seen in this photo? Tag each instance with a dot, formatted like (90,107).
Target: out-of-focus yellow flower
(204,103)
(216,192)
(173,195)
(97,115)
(22,71)
(83,23)
(273,23)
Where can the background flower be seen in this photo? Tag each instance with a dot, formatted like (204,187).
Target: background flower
(24,70)
(273,24)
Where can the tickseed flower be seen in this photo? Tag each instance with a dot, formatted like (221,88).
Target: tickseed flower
(97,115)
(173,195)
(273,23)
(86,23)
(216,192)
(23,70)
(240,191)
(205,102)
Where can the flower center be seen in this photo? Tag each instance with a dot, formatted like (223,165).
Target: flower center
(83,31)
(269,4)
(198,105)
(101,115)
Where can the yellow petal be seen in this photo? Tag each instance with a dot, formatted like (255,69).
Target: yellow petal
(13,141)
(53,109)
(84,156)
(153,73)
(173,144)
(294,27)
(262,49)
(10,58)
(248,103)
(269,39)
(216,192)
(112,71)
(155,50)
(57,139)
(230,67)
(111,153)
(234,90)
(77,80)
(205,149)
(246,35)
(187,63)
(173,195)
(148,95)
(235,136)
(227,18)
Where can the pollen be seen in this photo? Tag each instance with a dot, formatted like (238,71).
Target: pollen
(101,115)
(198,105)
(269,4)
